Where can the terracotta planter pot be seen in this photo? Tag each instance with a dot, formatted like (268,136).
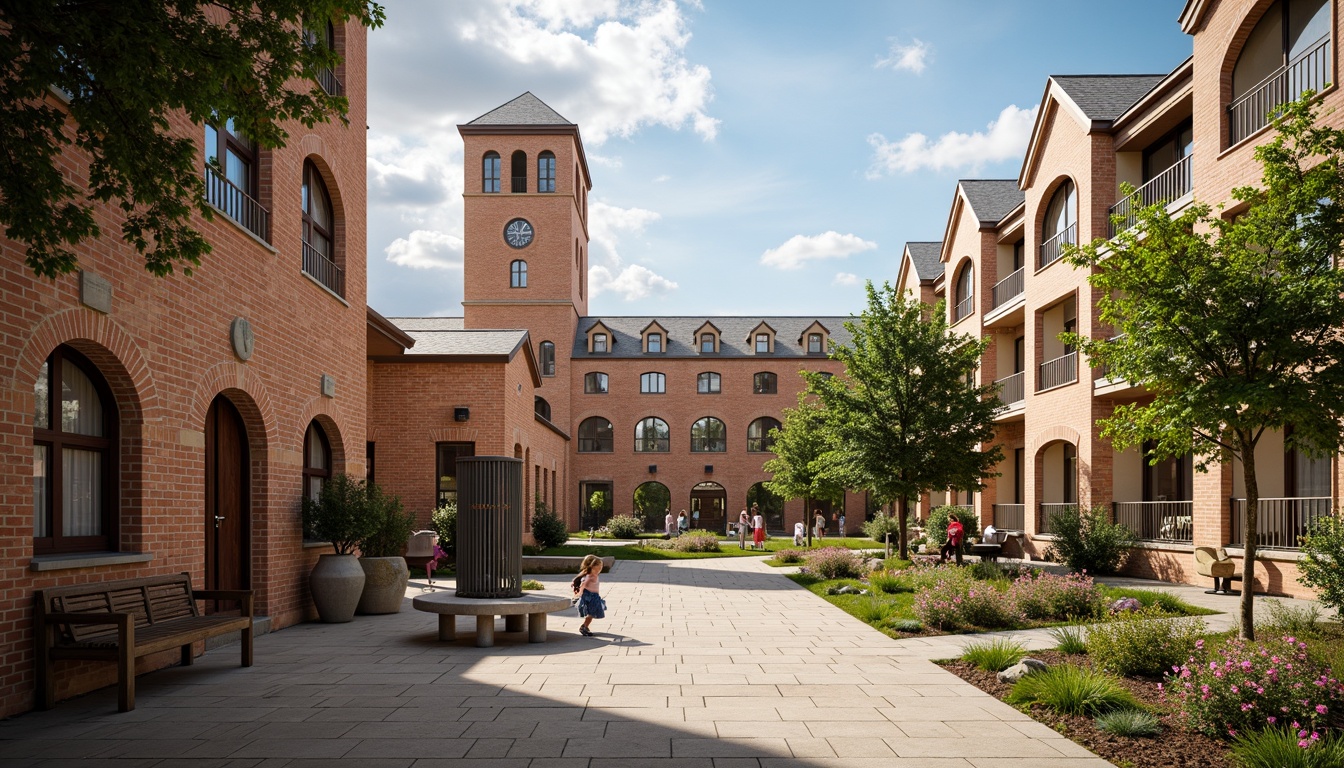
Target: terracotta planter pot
(384,584)
(336,583)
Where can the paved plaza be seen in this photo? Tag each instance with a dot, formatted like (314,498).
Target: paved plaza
(700,664)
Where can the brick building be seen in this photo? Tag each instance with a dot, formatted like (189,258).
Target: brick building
(1180,136)
(161,425)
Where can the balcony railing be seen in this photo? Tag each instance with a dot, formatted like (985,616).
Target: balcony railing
(323,270)
(1309,71)
(1047,510)
(1011,517)
(1171,184)
(1157,520)
(1051,250)
(1281,522)
(237,204)
(329,82)
(1058,372)
(1008,288)
(519,184)
(1012,389)
(963,308)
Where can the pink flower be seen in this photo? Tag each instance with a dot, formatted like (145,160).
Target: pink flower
(1321,709)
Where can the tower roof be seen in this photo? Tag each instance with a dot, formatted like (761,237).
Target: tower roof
(524,110)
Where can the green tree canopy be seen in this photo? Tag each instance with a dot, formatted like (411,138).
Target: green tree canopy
(801,468)
(122,70)
(1233,322)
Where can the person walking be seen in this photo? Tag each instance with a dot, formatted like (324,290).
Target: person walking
(695,518)
(591,604)
(683,522)
(955,533)
(842,525)
(819,525)
(758,528)
(743,522)
(668,521)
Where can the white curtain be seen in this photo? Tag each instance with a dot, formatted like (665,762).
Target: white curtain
(82,492)
(81,408)
(41,503)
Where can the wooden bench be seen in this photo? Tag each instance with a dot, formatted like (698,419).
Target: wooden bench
(124,620)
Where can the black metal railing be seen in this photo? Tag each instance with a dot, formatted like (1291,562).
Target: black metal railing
(1010,517)
(1048,509)
(323,270)
(1012,389)
(1281,522)
(1253,110)
(1169,185)
(1157,520)
(1058,372)
(330,83)
(237,204)
(963,308)
(1009,287)
(1052,249)
(519,183)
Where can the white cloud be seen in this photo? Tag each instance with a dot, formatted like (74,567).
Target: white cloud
(632,283)
(604,161)
(661,178)
(425,249)
(912,57)
(800,249)
(607,225)
(1003,139)
(847,279)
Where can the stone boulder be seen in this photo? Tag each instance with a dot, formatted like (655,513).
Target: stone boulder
(1020,670)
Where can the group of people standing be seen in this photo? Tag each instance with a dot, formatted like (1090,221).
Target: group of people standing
(756,523)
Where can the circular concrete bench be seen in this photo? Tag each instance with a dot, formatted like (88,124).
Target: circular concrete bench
(513,609)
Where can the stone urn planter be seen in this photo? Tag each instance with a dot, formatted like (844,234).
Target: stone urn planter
(385,581)
(337,583)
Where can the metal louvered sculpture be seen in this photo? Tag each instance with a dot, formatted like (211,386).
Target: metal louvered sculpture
(489,527)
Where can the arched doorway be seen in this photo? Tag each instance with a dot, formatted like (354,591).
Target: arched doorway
(652,501)
(711,501)
(772,507)
(228,503)
(1057,481)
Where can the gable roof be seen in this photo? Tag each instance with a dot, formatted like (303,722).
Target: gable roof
(925,257)
(1102,98)
(524,110)
(681,340)
(992,199)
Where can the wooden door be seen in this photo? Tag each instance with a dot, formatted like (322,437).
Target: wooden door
(227,499)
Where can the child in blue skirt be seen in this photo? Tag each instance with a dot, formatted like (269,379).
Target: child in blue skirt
(591,604)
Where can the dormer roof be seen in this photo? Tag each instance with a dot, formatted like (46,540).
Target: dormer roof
(991,200)
(708,325)
(653,325)
(923,258)
(808,329)
(600,327)
(759,326)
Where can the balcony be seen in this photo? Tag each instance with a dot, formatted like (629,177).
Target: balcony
(330,83)
(1166,187)
(1008,288)
(1168,521)
(1052,249)
(237,205)
(1012,389)
(1047,510)
(1281,523)
(1010,517)
(323,270)
(1251,112)
(963,308)
(1058,372)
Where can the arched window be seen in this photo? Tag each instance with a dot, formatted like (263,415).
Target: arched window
(547,358)
(1287,52)
(1061,223)
(319,227)
(595,435)
(765,383)
(595,383)
(708,383)
(541,407)
(74,457)
(316,460)
(490,172)
(965,292)
(518,274)
(546,172)
(652,436)
(652,384)
(518,163)
(324,34)
(231,177)
(758,434)
(708,435)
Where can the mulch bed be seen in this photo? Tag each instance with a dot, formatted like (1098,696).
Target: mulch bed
(1174,748)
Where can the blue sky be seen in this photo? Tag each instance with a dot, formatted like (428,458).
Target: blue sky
(747,157)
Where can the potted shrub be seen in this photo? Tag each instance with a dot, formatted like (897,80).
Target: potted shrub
(380,548)
(338,516)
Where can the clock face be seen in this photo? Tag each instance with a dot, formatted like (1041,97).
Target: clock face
(518,233)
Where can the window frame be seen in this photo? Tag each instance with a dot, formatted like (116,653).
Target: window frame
(546,358)
(762,344)
(518,273)
(645,379)
(492,174)
(546,172)
(654,336)
(593,377)
(310,225)
(820,345)
(713,343)
(702,444)
(661,444)
(765,376)
(762,443)
(440,448)
(229,139)
(600,346)
(517,181)
(708,383)
(311,473)
(596,439)
(541,407)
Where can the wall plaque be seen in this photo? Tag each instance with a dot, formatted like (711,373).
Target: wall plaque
(95,292)
(240,333)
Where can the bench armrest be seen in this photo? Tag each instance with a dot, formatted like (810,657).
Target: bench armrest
(243,596)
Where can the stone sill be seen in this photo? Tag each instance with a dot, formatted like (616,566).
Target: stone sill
(86,560)
(321,285)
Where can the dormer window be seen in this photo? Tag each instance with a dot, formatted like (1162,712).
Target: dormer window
(707,343)
(655,342)
(599,342)
(815,344)
(762,343)
(707,339)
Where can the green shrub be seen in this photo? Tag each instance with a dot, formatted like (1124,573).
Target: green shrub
(874,610)
(1088,542)
(835,563)
(990,571)
(790,556)
(890,583)
(1322,561)
(625,527)
(1142,643)
(388,525)
(1072,690)
(1130,722)
(935,528)
(1164,601)
(993,655)
(533,584)
(907,625)
(877,528)
(547,527)
(444,523)
(895,563)
(1284,619)
(695,541)
(1282,748)
(1071,639)
(340,514)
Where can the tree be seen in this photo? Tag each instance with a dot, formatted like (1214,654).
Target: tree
(1233,324)
(905,419)
(801,468)
(122,69)
(652,500)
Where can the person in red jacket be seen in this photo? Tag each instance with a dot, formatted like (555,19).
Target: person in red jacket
(955,533)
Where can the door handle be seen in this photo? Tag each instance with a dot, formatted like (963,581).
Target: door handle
(218,519)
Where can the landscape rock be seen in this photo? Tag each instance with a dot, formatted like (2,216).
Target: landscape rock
(1020,670)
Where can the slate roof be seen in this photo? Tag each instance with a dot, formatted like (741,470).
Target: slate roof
(1106,97)
(992,199)
(524,110)
(681,335)
(925,256)
(428,323)
(445,336)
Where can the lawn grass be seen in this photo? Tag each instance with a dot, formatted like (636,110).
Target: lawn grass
(728,549)
(1168,602)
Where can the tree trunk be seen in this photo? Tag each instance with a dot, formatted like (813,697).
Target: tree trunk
(902,527)
(1251,531)
(807,519)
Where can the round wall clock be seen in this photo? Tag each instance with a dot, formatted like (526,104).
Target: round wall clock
(518,233)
